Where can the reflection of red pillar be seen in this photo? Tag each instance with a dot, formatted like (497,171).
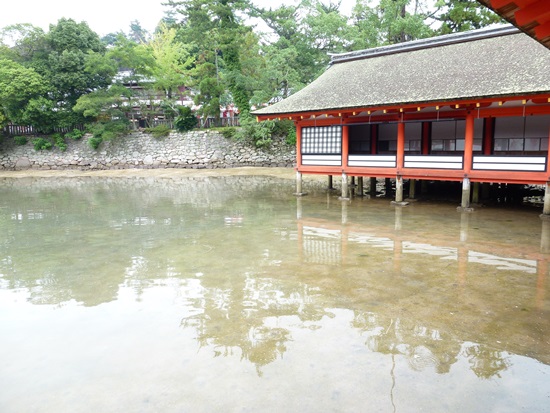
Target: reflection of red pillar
(462,258)
(301,240)
(344,240)
(542,271)
(397,252)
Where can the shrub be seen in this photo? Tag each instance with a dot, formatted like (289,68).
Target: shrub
(59,141)
(95,141)
(259,133)
(20,140)
(159,131)
(286,129)
(75,134)
(229,132)
(186,119)
(105,131)
(42,144)
(291,137)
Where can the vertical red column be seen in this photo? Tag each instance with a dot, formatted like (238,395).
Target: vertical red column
(345,146)
(400,145)
(298,145)
(469,143)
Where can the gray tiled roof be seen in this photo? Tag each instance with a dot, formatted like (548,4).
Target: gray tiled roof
(479,64)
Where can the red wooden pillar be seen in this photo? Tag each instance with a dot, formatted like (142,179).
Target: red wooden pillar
(469,143)
(298,144)
(468,159)
(546,206)
(345,146)
(400,161)
(345,152)
(400,146)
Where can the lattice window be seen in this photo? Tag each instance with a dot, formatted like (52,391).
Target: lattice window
(322,139)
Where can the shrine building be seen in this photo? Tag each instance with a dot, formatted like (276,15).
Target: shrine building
(472,107)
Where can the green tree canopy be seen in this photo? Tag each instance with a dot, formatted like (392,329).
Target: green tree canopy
(19,85)
(171,61)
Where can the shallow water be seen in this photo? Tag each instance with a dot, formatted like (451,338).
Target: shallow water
(203,294)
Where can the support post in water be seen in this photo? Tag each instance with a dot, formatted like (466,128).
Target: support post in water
(399,189)
(299,191)
(546,207)
(345,187)
(372,187)
(465,204)
(387,186)
(330,186)
(475,193)
(360,188)
(412,189)
(399,192)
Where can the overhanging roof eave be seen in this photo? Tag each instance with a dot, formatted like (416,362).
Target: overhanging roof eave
(408,104)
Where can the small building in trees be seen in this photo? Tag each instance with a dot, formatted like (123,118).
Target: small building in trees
(472,107)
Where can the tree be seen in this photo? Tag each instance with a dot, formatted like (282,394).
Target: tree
(171,61)
(23,41)
(103,104)
(18,86)
(289,57)
(137,33)
(215,30)
(389,22)
(462,15)
(326,29)
(71,61)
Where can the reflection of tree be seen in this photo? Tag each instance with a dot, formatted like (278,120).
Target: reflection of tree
(423,348)
(244,317)
(486,363)
(81,238)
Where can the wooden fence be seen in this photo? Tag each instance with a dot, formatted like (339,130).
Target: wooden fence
(20,130)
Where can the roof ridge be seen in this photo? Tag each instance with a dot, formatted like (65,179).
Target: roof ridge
(447,39)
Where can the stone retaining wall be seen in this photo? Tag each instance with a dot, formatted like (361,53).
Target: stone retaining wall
(197,149)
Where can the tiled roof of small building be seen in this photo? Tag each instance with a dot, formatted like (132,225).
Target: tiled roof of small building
(487,63)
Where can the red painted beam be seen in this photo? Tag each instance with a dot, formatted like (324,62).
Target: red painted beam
(497,4)
(532,13)
(542,31)
(524,3)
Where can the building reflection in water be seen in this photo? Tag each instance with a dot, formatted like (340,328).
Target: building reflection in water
(391,310)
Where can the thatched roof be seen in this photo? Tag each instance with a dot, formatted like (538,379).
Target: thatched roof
(474,65)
